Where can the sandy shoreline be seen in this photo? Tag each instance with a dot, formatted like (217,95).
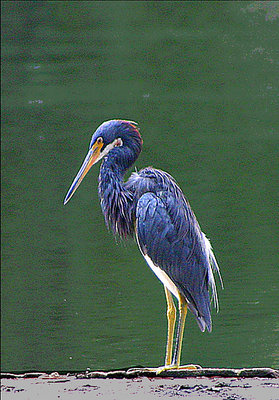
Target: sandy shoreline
(139,386)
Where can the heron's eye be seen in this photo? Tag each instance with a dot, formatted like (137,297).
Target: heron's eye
(100,140)
(118,142)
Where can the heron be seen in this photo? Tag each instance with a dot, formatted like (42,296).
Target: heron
(151,208)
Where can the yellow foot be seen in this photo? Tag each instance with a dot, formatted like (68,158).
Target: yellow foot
(189,366)
(159,370)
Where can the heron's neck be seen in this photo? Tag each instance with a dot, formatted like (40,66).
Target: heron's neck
(116,200)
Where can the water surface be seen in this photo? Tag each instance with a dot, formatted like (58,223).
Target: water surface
(201,79)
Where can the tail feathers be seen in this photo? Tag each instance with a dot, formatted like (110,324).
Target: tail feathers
(199,305)
(213,268)
(204,321)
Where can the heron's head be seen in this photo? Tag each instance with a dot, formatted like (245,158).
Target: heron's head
(117,138)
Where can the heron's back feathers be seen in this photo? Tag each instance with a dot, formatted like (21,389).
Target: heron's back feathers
(169,234)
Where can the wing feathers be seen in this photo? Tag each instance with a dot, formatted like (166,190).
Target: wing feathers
(169,234)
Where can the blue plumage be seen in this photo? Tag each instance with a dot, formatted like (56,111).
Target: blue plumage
(151,207)
(167,229)
(169,234)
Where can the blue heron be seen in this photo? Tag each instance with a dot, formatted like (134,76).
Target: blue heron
(151,207)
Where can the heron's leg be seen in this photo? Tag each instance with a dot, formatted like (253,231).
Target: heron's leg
(182,304)
(171,316)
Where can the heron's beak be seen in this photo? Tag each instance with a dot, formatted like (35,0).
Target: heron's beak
(92,157)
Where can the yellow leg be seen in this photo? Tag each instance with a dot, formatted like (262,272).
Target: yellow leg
(171,316)
(182,304)
(180,330)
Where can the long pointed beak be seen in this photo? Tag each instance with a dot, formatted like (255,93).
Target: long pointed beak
(91,158)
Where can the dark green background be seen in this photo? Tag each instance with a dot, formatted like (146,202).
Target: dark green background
(201,79)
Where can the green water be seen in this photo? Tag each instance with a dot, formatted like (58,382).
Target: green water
(201,79)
